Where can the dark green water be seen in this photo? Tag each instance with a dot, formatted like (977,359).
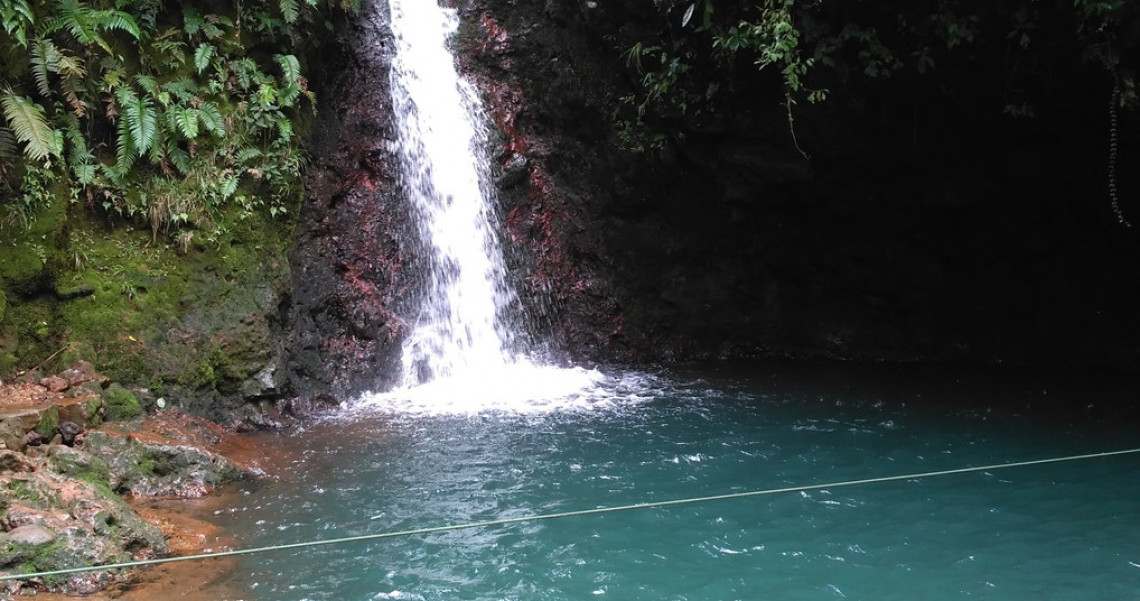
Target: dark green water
(1063,531)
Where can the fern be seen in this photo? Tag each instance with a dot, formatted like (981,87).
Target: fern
(17,18)
(247,154)
(29,124)
(125,152)
(183,89)
(8,148)
(185,121)
(290,66)
(202,57)
(290,9)
(157,150)
(212,119)
(140,119)
(192,22)
(179,158)
(44,60)
(229,186)
(118,20)
(147,82)
(285,128)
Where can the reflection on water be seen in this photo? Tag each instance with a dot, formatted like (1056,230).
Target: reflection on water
(1062,531)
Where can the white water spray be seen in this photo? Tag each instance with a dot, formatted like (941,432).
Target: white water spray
(462,352)
(441,130)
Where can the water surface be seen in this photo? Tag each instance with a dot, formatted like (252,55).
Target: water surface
(1060,531)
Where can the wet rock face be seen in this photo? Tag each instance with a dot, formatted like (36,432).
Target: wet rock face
(350,261)
(58,512)
(548,90)
(154,467)
(950,235)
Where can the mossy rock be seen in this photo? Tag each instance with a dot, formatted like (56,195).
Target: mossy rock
(28,250)
(151,468)
(49,423)
(83,466)
(70,522)
(122,404)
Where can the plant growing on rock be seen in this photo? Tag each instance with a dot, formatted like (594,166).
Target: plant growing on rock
(152,111)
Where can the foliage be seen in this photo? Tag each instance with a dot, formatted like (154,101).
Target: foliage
(154,111)
(815,47)
(122,404)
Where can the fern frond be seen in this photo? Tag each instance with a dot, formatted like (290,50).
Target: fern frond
(29,124)
(157,150)
(212,119)
(145,131)
(184,120)
(119,21)
(184,89)
(138,117)
(179,158)
(290,9)
(229,186)
(247,154)
(202,57)
(147,82)
(17,18)
(8,148)
(192,22)
(290,66)
(125,151)
(44,60)
(285,128)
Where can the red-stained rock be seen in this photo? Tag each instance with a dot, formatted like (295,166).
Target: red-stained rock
(55,383)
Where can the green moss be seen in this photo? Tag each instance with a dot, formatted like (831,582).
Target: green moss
(93,410)
(122,404)
(30,325)
(49,423)
(21,490)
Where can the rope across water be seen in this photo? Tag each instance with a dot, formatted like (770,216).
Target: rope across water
(566,514)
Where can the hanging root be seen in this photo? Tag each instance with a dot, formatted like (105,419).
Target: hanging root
(1113,107)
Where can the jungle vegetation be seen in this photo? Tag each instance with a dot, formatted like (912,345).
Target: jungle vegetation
(159,112)
(1010,54)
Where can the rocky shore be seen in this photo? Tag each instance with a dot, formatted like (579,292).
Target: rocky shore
(86,479)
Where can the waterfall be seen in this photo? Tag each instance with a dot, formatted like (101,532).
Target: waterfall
(460,327)
(463,346)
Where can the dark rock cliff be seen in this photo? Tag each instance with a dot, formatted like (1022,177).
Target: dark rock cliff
(925,226)
(349,261)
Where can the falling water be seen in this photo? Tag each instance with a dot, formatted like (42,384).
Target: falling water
(441,133)
(462,342)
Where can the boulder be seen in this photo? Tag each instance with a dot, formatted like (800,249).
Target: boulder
(150,466)
(57,521)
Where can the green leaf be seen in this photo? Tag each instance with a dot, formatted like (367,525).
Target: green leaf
(147,82)
(229,186)
(187,119)
(285,128)
(192,21)
(8,148)
(29,124)
(139,115)
(212,119)
(202,57)
(17,18)
(688,14)
(290,10)
(290,66)
(84,173)
(44,60)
